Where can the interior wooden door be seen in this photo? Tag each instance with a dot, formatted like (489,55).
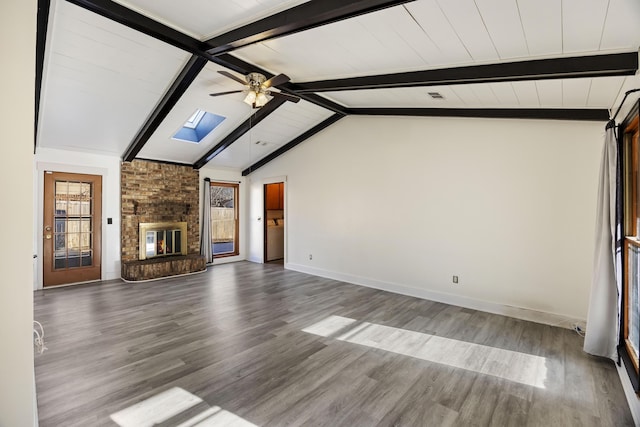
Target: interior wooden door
(72,225)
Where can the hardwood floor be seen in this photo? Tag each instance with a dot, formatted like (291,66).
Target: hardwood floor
(249,344)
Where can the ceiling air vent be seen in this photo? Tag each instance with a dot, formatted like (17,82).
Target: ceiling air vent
(435,95)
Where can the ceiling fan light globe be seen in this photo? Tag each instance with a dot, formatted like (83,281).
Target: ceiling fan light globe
(261,99)
(250,98)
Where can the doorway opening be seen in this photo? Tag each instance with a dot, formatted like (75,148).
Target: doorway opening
(274,223)
(72,228)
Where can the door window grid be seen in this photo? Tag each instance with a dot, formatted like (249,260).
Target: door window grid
(73,232)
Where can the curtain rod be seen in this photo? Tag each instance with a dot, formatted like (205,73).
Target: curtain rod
(222,180)
(627,93)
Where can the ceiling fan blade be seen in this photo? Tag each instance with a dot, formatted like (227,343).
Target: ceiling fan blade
(225,93)
(276,80)
(286,96)
(233,77)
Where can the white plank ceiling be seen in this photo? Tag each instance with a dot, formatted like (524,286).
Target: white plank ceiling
(102,79)
(287,122)
(439,34)
(204,19)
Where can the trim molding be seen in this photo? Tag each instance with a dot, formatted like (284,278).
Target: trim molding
(551,319)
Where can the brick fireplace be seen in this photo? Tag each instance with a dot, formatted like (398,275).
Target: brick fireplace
(165,196)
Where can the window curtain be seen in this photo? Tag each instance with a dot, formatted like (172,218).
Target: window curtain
(205,230)
(603,319)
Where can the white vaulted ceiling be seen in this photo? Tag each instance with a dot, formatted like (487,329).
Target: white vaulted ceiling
(283,125)
(203,19)
(102,81)
(428,34)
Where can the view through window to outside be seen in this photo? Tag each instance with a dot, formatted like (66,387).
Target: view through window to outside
(224,219)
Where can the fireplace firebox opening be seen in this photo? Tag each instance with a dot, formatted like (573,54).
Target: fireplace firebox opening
(161,239)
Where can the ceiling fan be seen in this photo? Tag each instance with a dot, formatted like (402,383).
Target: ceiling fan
(258,88)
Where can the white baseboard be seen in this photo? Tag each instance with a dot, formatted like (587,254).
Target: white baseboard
(632,398)
(227,260)
(552,319)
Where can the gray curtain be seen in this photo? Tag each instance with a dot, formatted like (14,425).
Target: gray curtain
(603,319)
(205,230)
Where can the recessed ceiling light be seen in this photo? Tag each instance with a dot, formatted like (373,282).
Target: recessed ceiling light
(435,95)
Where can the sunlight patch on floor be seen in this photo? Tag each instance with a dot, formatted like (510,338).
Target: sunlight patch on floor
(510,365)
(164,406)
(216,417)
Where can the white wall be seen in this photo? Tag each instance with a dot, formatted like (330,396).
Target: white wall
(17,386)
(76,162)
(220,174)
(405,203)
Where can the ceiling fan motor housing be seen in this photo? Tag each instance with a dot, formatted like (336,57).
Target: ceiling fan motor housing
(255,81)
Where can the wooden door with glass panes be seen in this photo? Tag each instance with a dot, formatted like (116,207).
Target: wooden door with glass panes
(71,228)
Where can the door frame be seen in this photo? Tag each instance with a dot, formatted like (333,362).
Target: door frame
(38,204)
(263,216)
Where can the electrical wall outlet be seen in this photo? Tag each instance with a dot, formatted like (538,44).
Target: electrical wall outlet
(455,279)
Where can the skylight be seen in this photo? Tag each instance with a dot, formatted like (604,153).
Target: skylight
(194,120)
(197,126)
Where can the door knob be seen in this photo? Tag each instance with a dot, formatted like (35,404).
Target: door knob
(47,236)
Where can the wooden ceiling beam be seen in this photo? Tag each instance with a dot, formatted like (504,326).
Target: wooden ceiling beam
(298,140)
(139,22)
(614,64)
(306,16)
(601,115)
(252,121)
(41,42)
(166,104)
(239,66)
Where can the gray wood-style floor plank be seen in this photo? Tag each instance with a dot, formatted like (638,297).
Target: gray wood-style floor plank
(271,347)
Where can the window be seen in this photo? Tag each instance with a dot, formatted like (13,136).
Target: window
(194,120)
(197,126)
(630,329)
(224,219)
